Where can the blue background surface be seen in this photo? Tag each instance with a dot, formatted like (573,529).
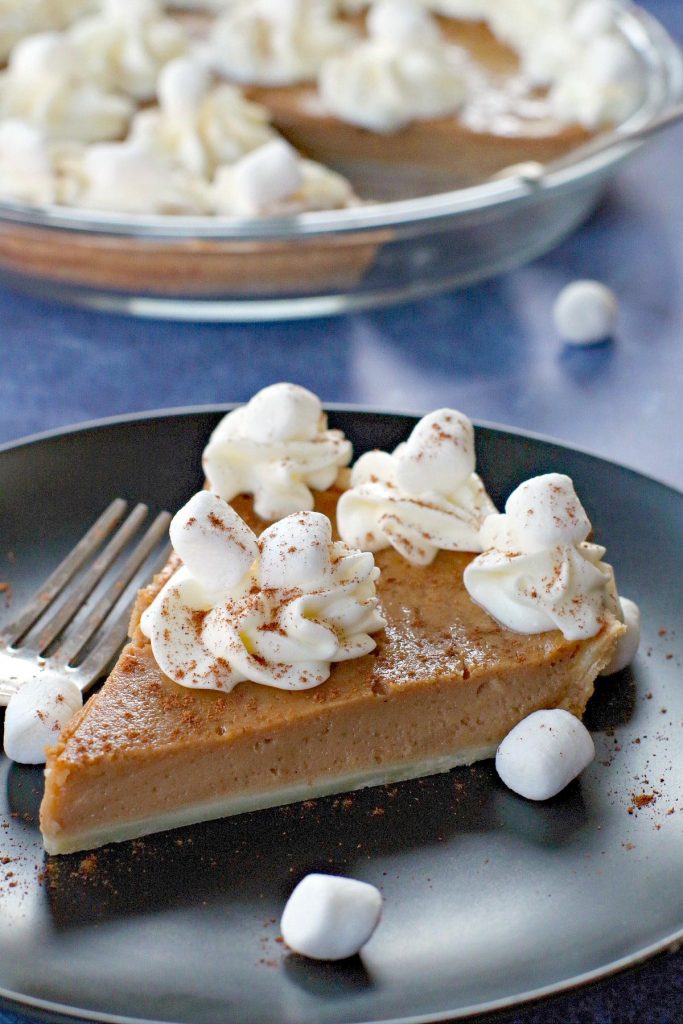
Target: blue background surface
(490,350)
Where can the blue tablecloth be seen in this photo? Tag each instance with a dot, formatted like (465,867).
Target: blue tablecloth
(490,351)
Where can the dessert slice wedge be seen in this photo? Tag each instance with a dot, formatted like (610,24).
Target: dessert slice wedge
(442,688)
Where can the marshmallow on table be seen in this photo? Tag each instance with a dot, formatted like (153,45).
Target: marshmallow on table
(628,643)
(330,918)
(36,714)
(543,753)
(585,312)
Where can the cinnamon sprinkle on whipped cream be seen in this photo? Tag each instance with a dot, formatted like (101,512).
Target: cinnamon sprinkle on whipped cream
(423,497)
(277,610)
(538,572)
(277,447)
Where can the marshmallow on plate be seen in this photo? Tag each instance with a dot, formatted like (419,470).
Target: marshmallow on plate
(36,714)
(628,643)
(330,918)
(543,753)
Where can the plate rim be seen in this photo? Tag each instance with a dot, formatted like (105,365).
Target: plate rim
(578,983)
(17,1003)
(162,412)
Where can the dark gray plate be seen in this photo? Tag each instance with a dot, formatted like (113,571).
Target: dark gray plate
(489,900)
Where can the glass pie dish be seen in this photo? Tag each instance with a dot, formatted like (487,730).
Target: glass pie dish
(321,263)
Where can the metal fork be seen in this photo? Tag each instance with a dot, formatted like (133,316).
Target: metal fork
(65,614)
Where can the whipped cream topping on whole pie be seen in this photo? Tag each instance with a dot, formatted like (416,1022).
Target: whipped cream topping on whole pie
(27,169)
(19,18)
(93,68)
(199,124)
(423,497)
(136,177)
(277,42)
(125,45)
(403,72)
(571,47)
(277,610)
(538,572)
(274,179)
(276,447)
(44,84)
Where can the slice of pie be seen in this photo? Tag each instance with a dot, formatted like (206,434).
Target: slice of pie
(443,687)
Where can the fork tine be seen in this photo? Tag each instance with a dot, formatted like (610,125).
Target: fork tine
(89,619)
(41,638)
(57,580)
(116,635)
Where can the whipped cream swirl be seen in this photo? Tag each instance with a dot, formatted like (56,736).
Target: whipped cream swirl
(278,610)
(45,84)
(277,447)
(19,18)
(422,498)
(574,49)
(134,177)
(277,42)
(403,72)
(125,45)
(538,572)
(27,173)
(200,125)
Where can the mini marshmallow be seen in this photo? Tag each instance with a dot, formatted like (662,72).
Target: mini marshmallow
(627,645)
(36,714)
(330,918)
(267,175)
(545,511)
(585,312)
(295,552)
(543,753)
(282,412)
(439,454)
(213,541)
